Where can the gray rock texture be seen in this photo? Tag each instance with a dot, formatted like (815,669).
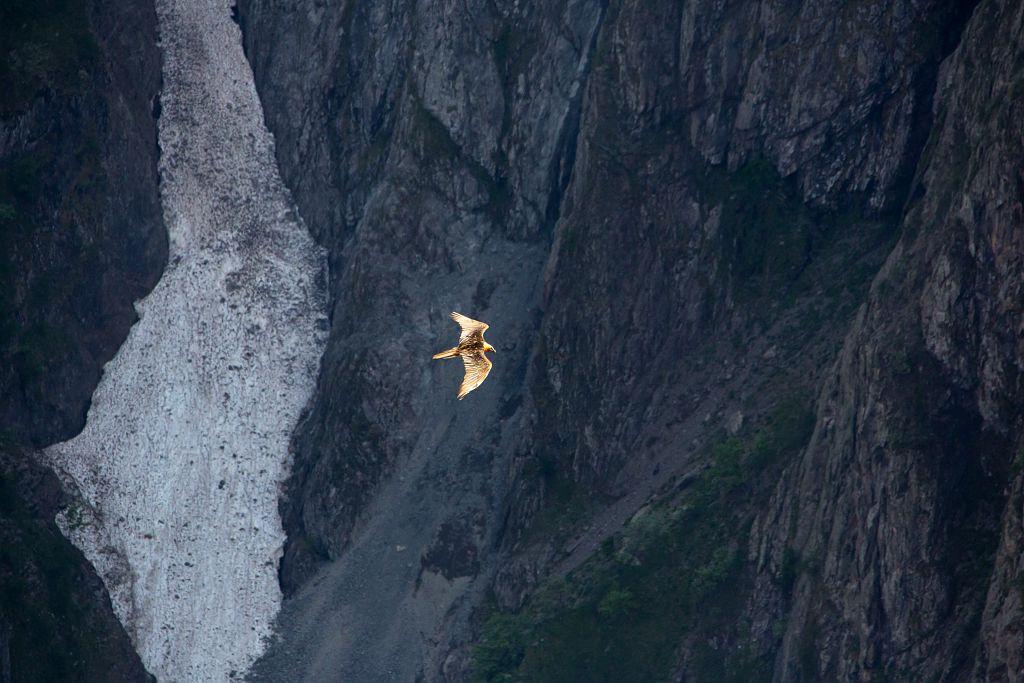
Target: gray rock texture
(909,492)
(676,219)
(56,621)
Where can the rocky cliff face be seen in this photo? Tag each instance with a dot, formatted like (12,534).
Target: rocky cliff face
(56,622)
(909,491)
(753,271)
(81,237)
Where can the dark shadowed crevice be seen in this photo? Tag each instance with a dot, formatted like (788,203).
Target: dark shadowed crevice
(948,32)
(564,160)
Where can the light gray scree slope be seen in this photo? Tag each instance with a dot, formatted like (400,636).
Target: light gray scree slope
(186,444)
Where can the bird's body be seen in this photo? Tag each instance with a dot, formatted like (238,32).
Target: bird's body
(472,350)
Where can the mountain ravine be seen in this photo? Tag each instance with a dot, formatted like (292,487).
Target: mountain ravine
(753,271)
(755,276)
(186,440)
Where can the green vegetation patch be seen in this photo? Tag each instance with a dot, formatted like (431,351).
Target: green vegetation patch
(673,572)
(769,233)
(777,246)
(32,344)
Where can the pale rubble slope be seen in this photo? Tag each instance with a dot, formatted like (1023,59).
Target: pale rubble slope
(187,439)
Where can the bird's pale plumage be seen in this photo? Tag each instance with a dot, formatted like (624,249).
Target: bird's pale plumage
(472,350)
(469,327)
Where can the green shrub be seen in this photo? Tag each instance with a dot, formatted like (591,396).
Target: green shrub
(672,571)
(1018,463)
(500,649)
(616,603)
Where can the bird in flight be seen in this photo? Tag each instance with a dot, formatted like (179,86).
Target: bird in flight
(471,350)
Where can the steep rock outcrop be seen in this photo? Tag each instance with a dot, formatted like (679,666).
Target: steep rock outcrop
(417,178)
(82,232)
(441,172)
(908,495)
(56,622)
(669,214)
(81,237)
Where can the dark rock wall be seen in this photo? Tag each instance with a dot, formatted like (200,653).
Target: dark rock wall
(56,622)
(81,237)
(909,493)
(676,218)
(79,209)
(430,197)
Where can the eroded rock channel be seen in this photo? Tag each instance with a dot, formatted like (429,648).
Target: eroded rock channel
(187,439)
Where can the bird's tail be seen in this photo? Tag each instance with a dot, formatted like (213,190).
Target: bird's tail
(450,353)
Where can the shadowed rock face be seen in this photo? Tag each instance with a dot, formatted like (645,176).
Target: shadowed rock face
(81,228)
(56,622)
(909,491)
(675,218)
(81,237)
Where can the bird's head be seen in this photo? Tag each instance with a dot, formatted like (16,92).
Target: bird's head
(488,347)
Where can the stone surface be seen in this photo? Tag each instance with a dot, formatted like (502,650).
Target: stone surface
(56,621)
(909,491)
(81,237)
(667,213)
(180,462)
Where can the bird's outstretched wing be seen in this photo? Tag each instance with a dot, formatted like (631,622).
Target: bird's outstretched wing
(469,327)
(477,367)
